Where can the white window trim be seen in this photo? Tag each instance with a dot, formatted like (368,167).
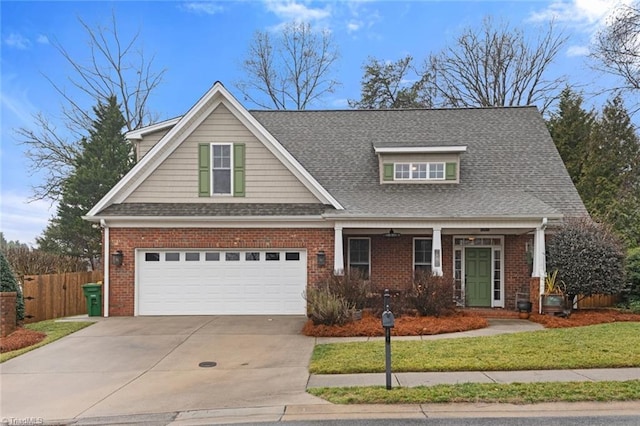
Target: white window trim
(231,163)
(349,252)
(429,165)
(414,252)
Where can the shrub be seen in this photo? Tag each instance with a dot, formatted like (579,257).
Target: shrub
(633,273)
(26,261)
(588,257)
(8,283)
(327,308)
(352,287)
(431,294)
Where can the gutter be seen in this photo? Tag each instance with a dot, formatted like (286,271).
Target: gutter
(105,263)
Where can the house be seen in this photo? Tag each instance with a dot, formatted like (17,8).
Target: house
(230,211)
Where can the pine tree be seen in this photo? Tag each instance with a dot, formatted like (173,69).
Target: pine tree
(571,128)
(8,283)
(610,182)
(105,157)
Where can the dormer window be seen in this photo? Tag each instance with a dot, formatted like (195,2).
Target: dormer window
(431,164)
(419,171)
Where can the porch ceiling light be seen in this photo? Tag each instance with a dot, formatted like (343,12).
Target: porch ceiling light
(391,234)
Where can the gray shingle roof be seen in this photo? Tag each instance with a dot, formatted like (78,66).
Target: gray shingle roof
(511,167)
(212,209)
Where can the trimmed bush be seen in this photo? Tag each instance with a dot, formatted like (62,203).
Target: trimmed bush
(431,295)
(589,259)
(8,283)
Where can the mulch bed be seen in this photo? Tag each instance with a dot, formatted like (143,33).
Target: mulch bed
(460,321)
(584,317)
(21,338)
(370,325)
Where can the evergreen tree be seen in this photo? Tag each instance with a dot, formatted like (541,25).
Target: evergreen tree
(570,128)
(8,283)
(610,182)
(104,158)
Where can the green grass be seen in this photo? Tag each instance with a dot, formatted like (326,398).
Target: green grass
(54,331)
(612,345)
(513,393)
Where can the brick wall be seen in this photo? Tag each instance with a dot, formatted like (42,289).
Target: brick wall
(122,278)
(516,269)
(8,319)
(391,258)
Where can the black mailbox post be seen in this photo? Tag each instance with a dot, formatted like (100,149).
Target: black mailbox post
(388,322)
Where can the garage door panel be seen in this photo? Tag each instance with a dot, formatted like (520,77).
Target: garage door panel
(215,285)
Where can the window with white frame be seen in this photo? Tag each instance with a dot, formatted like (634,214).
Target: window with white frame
(359,255)
(419,171)
(422,254)
(221,176)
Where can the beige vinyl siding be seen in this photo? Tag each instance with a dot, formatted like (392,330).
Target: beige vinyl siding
(267,180)
(148,141)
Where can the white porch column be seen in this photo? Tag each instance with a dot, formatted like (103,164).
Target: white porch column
(338,254)
(539,248)
(436,252)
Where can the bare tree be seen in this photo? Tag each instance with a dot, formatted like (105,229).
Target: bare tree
(115,68)
(289,70)
(617,48)
(497,66)
(392,85)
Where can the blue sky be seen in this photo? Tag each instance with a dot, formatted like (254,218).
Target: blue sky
(199,43)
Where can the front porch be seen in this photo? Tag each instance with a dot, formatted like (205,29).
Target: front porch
(490,266)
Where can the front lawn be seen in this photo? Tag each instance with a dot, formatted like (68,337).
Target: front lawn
(612,345)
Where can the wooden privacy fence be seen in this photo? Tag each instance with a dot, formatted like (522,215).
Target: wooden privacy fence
(599,301)
(56,295)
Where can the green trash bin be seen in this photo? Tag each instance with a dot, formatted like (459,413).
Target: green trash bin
(93,294)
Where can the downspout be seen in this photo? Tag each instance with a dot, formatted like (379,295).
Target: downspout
(105,283)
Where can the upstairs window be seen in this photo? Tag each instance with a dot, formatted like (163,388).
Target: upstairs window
(419,171)
(221,171)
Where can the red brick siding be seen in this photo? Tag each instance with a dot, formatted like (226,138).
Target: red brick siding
(8,318)
(516,270)
(122,278)
(391,258)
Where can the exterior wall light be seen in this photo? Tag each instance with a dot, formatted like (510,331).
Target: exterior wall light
(321,258)
(116,257)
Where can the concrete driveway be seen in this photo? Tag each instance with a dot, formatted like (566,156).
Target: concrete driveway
(123,366)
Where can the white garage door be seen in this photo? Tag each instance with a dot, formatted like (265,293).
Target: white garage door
(221,282)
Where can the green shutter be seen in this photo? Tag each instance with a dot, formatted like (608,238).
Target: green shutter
(238,169)
(451,171)
(387,172)
(204,170)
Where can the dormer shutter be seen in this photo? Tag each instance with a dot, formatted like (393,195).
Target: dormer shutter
(450,171)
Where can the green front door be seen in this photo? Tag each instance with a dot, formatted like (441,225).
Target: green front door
(477,265)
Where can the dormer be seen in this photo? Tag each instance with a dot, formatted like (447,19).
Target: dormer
(419,165)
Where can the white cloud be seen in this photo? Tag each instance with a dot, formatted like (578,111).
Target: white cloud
(17,41)
(573,51)
(42,39)
(17,102)
(353,26)
(292,10)
(21,220)
(578,12)
(206,7)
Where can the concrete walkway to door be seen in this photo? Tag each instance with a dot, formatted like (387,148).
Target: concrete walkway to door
(137,365)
